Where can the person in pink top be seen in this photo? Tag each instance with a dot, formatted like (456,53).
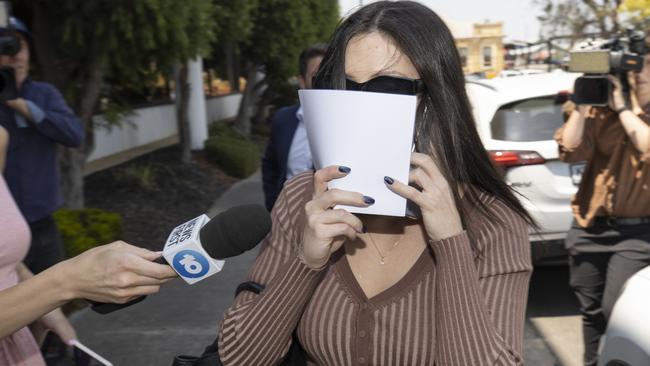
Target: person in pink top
(117,272)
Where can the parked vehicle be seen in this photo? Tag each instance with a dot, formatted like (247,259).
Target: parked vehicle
(627,341)
(512,72)
(517,118)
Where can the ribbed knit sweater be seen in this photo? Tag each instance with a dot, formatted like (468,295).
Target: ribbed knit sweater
(459,304)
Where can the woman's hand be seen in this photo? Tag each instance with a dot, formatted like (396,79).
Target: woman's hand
(56,321)
(326,229)
(116,272)
(439,213)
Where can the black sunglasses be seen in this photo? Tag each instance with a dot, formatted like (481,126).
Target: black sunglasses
(384,84)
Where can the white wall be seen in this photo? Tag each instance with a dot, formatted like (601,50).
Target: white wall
(151,124)
(219,108)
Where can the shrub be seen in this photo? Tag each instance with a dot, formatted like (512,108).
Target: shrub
(87,228)
(237,157)
(140,176)
(261,129)
(224,129)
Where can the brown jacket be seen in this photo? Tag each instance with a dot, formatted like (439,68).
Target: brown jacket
(616,180)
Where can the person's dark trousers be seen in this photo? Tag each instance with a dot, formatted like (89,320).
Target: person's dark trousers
(597,278)
(46,249)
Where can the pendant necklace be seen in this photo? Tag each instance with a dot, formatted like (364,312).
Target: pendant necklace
(381,255)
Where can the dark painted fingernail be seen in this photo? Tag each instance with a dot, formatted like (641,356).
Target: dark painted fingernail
(388,180)
(368,200)
(344,169)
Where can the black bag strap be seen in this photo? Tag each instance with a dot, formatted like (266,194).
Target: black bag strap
(251,286)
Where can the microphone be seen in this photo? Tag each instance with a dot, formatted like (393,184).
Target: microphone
(196,248)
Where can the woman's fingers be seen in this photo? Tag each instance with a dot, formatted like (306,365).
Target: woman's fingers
(335,197)
(324,175)
(340,216)
(337,230)
(405,191)
(152,270)
(132,293)
(132,249)
(425,162)
(420,178)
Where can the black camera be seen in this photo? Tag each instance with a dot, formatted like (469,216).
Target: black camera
(9,45)
(597,59)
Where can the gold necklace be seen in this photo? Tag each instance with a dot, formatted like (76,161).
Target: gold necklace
(381,255)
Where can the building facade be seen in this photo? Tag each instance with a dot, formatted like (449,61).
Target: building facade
(480,46)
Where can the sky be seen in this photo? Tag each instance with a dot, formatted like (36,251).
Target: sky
(519,17)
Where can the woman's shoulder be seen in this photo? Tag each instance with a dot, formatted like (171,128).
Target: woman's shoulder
(497,211)
(295,193)
(500,234)
(299,188)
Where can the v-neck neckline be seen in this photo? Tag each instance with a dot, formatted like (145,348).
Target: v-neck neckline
(424,261)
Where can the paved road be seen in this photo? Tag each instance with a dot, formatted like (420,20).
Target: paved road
(184,319)
(553,334)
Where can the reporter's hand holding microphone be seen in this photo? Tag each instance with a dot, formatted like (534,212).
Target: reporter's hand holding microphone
(116,272)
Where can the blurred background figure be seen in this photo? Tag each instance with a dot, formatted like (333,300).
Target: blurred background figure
(609,239)
(38,121)
(288,152)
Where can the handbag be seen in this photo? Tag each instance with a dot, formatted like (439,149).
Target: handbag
(296,355)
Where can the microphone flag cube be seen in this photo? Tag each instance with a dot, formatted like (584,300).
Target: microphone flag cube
(185,254)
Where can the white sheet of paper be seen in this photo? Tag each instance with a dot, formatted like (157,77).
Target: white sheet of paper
(371,133)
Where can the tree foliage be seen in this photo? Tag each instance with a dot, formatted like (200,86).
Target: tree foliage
(576,17)
(81,43)
(638,9)
(281,29)
(572,17)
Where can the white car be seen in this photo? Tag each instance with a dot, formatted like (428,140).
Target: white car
(512,72)
(516,118)
(627,341)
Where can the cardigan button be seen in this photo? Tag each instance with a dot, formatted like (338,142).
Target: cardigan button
(362,333)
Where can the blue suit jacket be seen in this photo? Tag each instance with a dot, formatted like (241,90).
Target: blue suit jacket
(274,163)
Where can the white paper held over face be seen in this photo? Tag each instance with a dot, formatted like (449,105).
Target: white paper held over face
(371,133)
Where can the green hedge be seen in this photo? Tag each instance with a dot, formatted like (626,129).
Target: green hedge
(87,228)
(224,129)
(237,157)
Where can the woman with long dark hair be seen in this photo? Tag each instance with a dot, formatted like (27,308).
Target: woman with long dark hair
(448,288)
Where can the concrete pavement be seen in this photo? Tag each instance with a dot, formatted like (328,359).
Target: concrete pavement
(183,319)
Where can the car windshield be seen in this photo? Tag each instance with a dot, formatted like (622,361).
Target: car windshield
(534,119)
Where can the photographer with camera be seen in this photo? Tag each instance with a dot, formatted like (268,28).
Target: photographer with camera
(38,121)
(609,239)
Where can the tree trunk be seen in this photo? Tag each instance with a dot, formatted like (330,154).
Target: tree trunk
(248,101)
(231,75)
(71,164)
(183,99)
(71,161)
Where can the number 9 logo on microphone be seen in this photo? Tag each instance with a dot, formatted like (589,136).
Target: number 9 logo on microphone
(190,264)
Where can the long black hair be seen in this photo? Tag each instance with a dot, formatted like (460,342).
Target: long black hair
(445,128)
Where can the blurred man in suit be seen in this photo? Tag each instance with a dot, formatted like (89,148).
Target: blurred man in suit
(288,153)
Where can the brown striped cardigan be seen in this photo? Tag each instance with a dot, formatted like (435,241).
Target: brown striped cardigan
(453,307)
